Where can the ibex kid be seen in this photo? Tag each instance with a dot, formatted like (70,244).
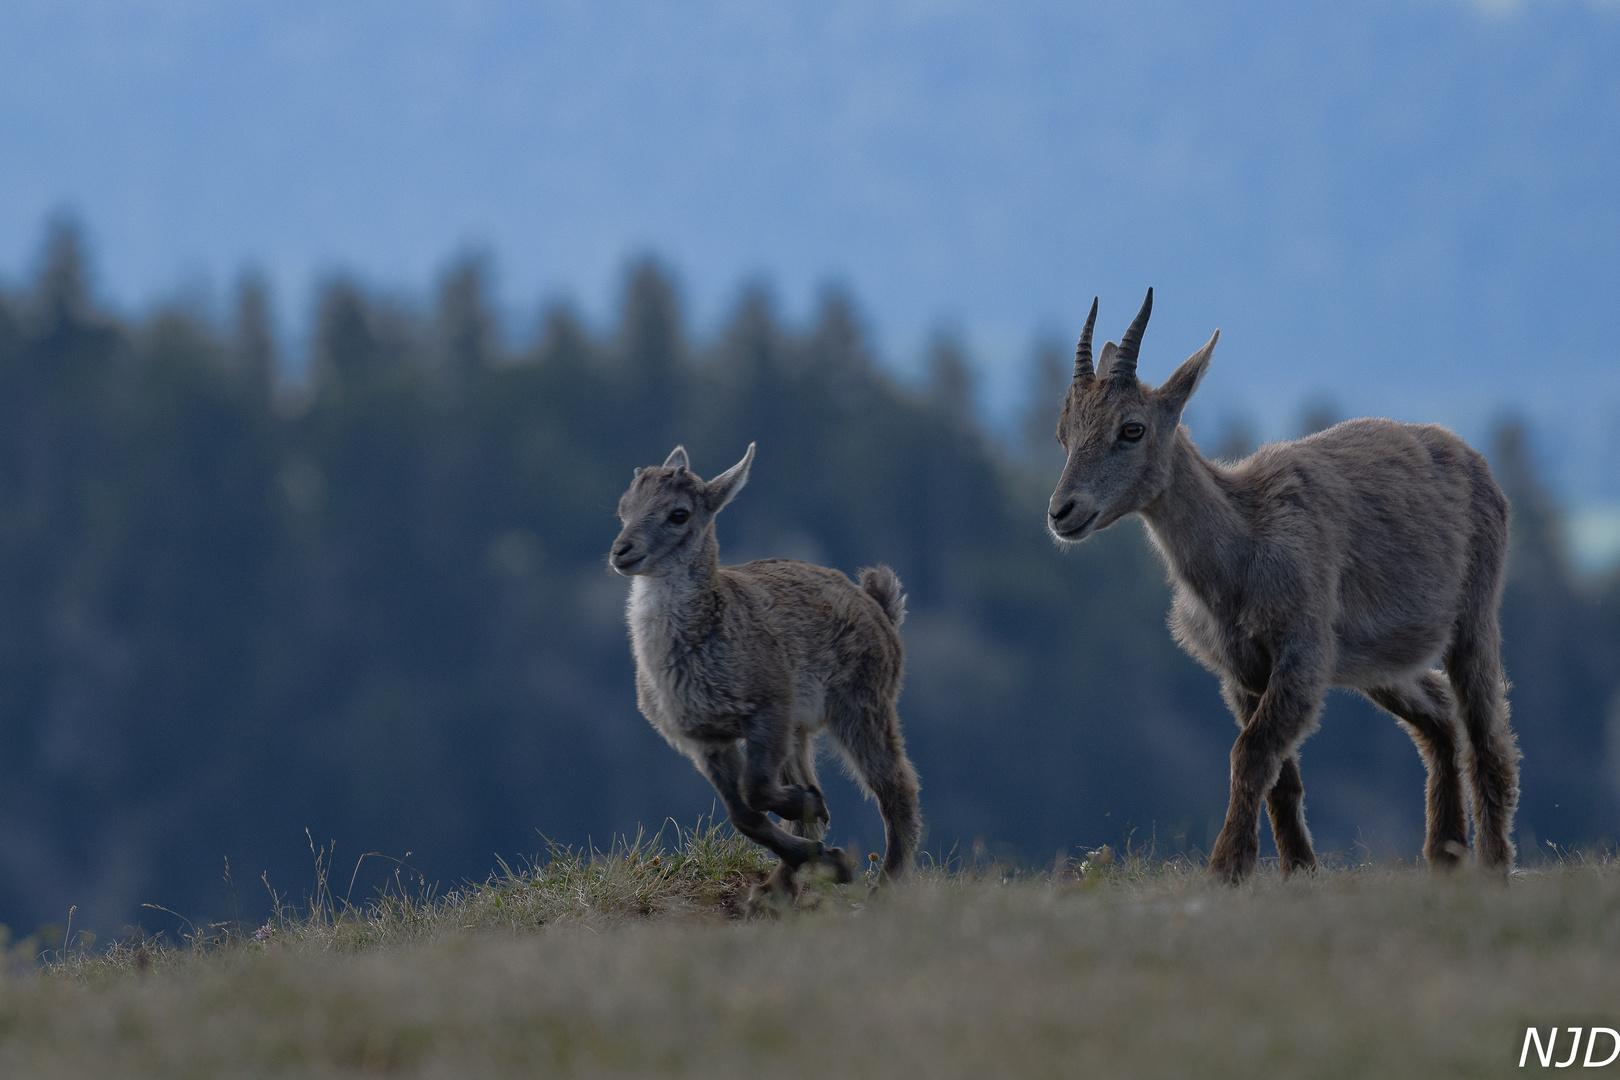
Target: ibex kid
(763,656)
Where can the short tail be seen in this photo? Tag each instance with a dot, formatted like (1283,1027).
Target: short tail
(882,585)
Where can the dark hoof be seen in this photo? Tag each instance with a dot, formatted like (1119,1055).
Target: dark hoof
(1298,866)
(841,865)
(1447,856)
(816,807)
(763,899)
(781,880)
(776,895)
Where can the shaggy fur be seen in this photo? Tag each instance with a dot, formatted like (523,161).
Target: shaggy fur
(1360,556)
(764,656)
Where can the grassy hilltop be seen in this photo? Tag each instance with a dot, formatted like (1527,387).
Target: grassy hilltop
(643,961)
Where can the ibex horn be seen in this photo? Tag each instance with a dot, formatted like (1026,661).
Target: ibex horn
(1082,352)
(1124,365)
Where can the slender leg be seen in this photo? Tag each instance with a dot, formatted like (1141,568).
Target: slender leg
(723,765)
(799,769)
(1285,715)
(1473,663)
(1240,701)
(1427,711)
(771,739)
(1285,802)
(869,734)
(1475,668)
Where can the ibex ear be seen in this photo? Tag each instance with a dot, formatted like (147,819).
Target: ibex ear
(1105,360)
(677,459)
(1180,386)
(723,488)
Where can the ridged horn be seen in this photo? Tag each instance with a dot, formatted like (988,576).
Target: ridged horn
(1124,366)
(1082,352)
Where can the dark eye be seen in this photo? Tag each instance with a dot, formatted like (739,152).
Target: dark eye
(1132,431)
(679,516)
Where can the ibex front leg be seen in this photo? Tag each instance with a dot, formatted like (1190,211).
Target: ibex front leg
(1285,802)
(771,742)
(1285,715)
(724,766)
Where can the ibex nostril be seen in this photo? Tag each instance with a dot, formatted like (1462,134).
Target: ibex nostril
(1063,511)
(622,549)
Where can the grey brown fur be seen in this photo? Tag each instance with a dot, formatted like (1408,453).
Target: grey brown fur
(764,655)
(1361,556)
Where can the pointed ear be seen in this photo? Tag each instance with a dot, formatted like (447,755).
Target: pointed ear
(1180,386)
(1105,360)
(723,488)
(677,459)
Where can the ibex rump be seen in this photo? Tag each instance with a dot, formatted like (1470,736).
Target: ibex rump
(1360,556)
(764,656)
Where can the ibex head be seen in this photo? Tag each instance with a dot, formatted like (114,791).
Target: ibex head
(668,509)
(1118,431)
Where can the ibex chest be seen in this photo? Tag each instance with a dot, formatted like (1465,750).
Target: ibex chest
(1218,641)
(677,687)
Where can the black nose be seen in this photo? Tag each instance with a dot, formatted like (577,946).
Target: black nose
(1063,511)
(622,549)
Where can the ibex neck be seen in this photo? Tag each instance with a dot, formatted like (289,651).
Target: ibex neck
(1197,524)
(682,597)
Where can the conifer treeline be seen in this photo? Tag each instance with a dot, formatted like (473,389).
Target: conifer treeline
(376,605)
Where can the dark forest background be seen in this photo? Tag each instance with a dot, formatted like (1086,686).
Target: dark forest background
(373,603)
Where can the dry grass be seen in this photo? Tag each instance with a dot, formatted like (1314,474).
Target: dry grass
(637,963)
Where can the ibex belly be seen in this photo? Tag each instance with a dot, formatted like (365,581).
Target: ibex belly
(1367,652)
(1378,654)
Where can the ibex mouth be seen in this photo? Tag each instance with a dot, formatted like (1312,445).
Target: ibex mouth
(1079,531)
(624,566)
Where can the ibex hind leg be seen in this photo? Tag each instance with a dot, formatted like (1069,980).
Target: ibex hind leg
(1473,663)
(869,735)
(1428,712)
(1475,668)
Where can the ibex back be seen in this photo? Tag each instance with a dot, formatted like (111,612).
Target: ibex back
(1360,556)
(764,656)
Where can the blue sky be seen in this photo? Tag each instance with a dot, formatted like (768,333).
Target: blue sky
(1409,208)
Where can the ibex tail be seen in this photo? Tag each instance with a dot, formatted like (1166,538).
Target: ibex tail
(882,585)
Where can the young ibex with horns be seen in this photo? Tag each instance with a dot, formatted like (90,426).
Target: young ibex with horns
(764,656)
(1360,556)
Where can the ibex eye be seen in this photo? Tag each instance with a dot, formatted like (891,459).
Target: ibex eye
(679,516)
(1132,432)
